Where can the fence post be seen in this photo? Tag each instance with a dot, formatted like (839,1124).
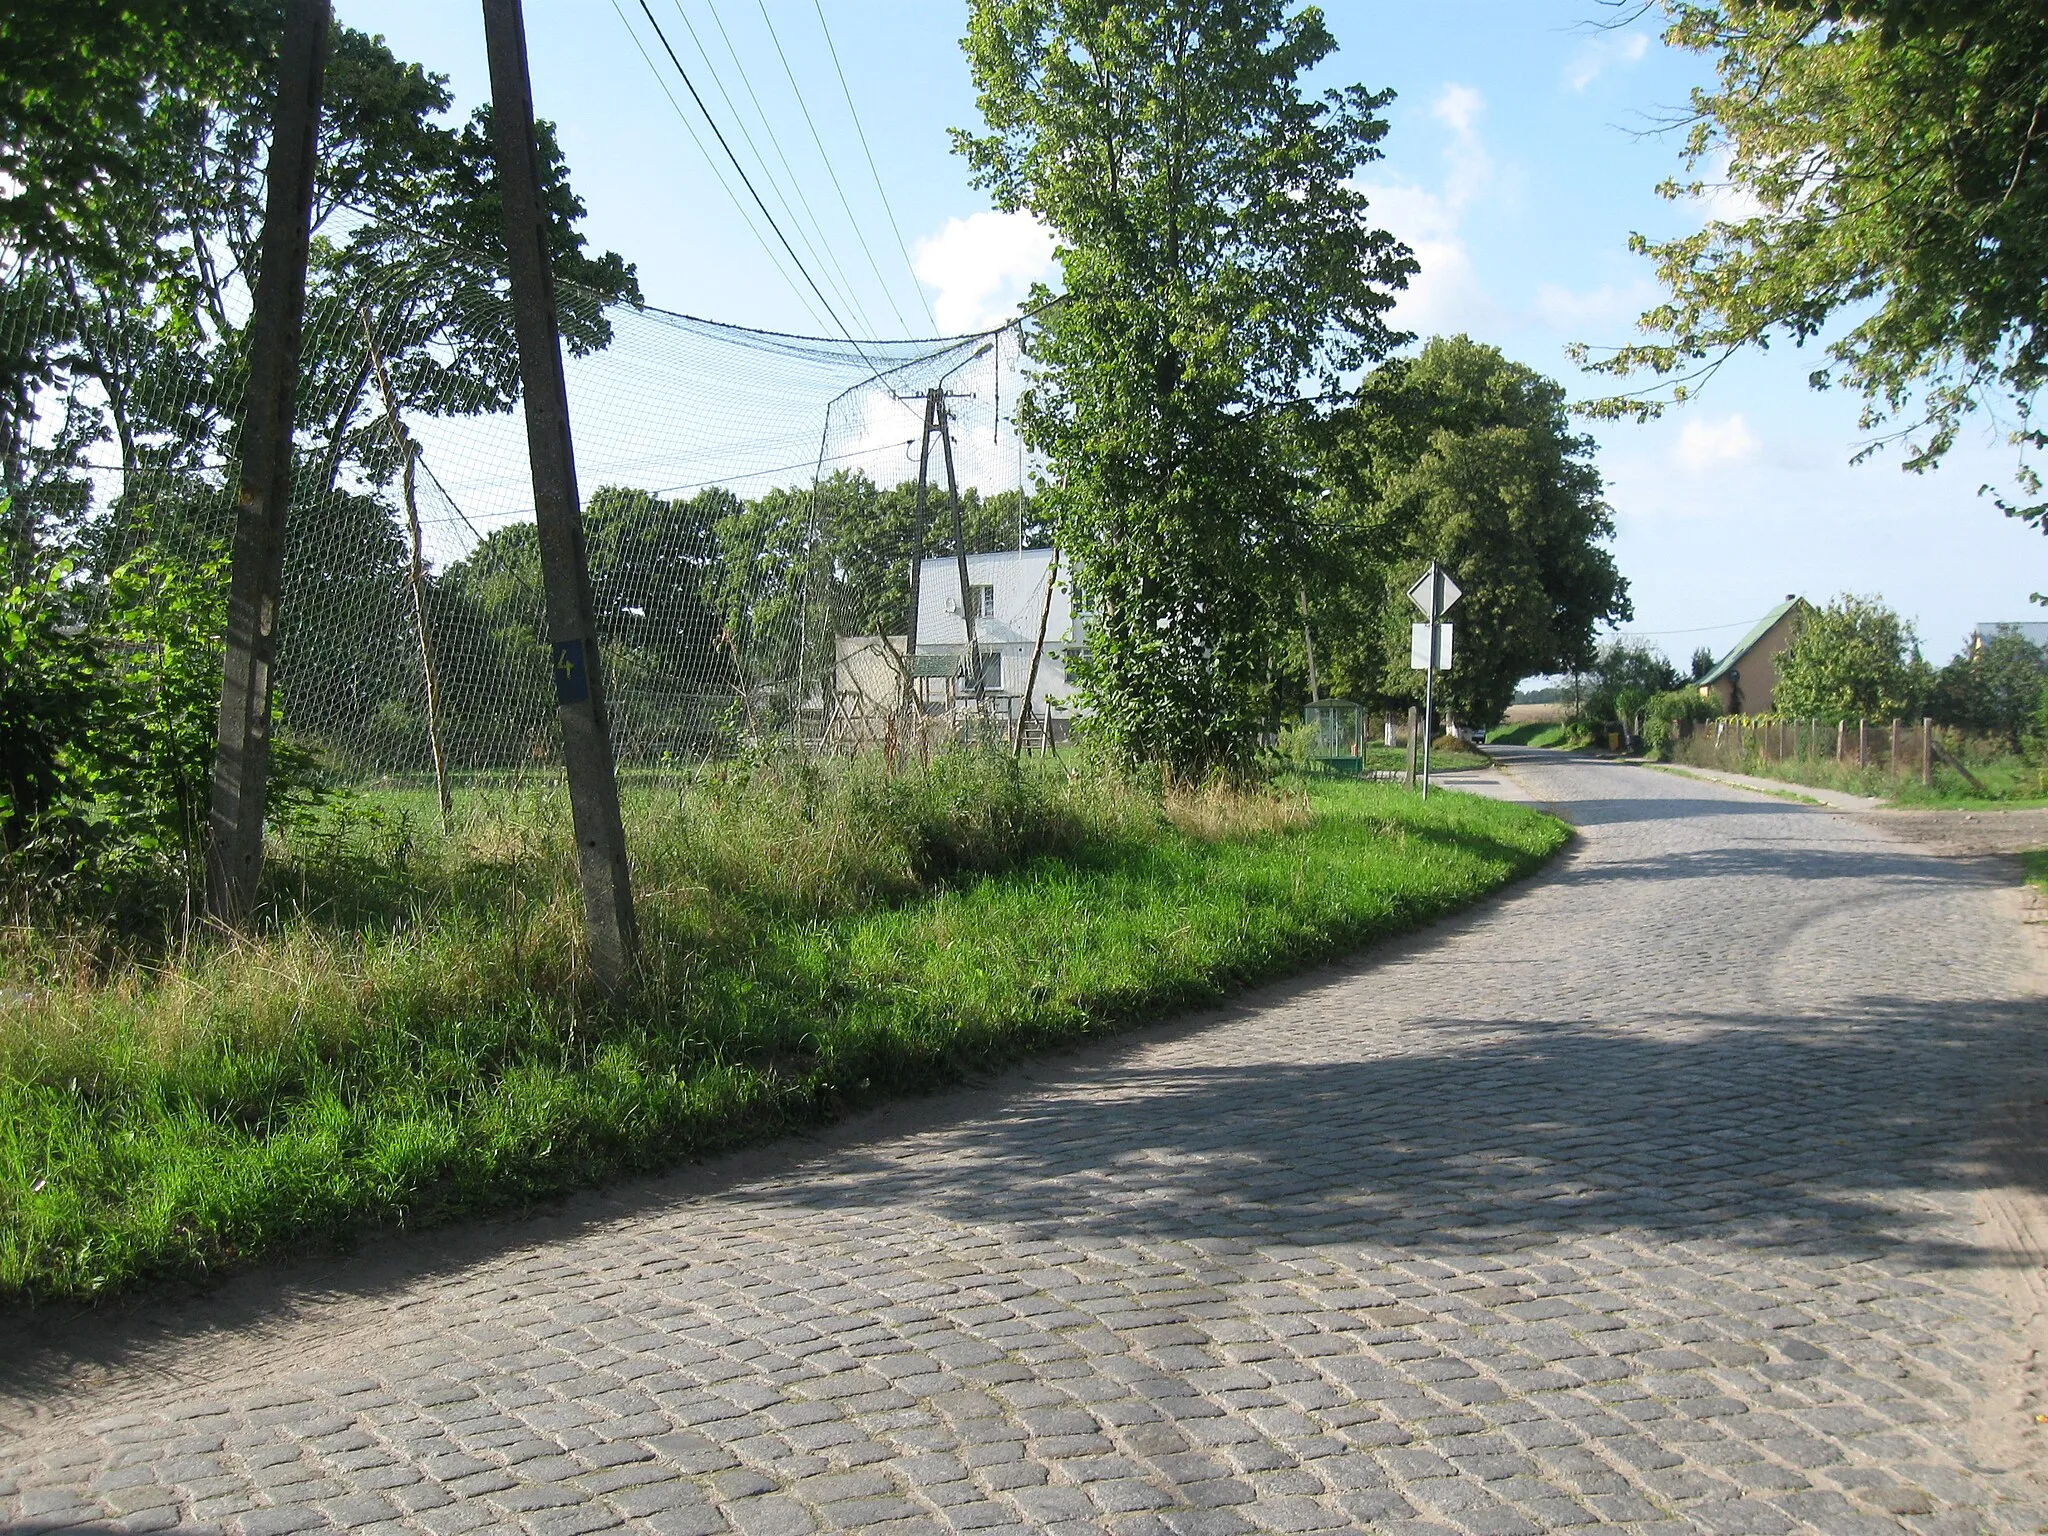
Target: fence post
(1841,742)
(1411,746)
(1863,741)
(608,918)
(1892,762)
(241,760)
(1927,752)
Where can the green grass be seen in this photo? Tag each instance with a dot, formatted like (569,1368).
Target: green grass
(1754,789)
(2013,781)
(1444,757)
(1538,733)
(412,1037)
(2036,864)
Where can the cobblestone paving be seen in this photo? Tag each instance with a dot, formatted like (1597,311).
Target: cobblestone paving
(1638,1198)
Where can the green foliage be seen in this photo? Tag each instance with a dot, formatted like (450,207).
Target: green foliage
(1703,661)
(418,1041)
(1461,456)
(107,737)
(1995,685)
(1666,714)
(1621,682)
(148,352)
(1216,254)
(1855,658)
(1890,150)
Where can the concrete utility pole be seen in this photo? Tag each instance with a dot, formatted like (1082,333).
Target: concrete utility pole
(241,761)
(967,614)
(608,920)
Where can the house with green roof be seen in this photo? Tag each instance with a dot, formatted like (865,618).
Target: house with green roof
(1743,681)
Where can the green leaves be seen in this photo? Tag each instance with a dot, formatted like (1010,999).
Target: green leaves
(1888,162)
(1460,456)
(1216,257)
(1854,658)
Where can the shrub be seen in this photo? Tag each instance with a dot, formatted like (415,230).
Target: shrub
(1667,712)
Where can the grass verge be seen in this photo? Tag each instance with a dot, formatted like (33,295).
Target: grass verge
(1539,733)
(2036,864)
(1754,789)
(412,1038)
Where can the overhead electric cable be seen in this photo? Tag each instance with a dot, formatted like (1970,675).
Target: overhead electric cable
(803,206)
(764,169)
(747,181)
(847,91)
(824,156)
(712,160)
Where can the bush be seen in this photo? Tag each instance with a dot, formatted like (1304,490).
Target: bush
(107,732)
(1666,713)
(1855,658)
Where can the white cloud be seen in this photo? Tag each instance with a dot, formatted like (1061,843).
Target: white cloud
(979,267)
(1607,307)
(1705,444)
(1445,296)
(1612,49)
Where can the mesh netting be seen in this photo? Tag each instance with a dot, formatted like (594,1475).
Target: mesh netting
(746,505)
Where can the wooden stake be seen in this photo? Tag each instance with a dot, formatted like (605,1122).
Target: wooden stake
(241,761)
(608,918)
(1926,752)
(416,570)
(1052,577)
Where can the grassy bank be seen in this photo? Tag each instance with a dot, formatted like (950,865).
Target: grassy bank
(1539,733)
(2007,781)
(412,1036)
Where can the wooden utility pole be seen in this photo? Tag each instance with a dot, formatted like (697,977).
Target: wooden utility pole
(967,614)
(932,405)
(1052,577)
(241,761)
(608,921)
(416,568)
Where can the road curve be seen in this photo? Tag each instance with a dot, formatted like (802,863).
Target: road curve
(1647,1195)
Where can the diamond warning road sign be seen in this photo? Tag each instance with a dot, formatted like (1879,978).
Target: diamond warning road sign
(1419,593)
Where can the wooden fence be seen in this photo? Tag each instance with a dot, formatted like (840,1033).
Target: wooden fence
(1739,743)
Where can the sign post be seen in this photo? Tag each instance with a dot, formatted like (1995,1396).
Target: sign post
(608,918)
(1430,646)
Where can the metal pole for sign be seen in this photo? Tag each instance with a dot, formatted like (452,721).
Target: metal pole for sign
(241,759)
(1436,608)
(608,919)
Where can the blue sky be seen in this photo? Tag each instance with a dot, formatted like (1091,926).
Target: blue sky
(1522,155)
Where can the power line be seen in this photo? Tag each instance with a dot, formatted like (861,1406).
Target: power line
(775,142)
(819,140)
(711,160)
(747,181)
(818,254)
(896,229)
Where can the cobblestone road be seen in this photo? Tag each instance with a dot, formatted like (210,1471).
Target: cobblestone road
(1641,1197)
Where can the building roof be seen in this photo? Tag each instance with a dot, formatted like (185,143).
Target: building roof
(1743,646)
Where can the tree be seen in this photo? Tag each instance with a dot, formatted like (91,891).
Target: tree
(1855,658)
(1895,153)
(1215,255)
(1702,662)
(1460,456)
(1994,685)
(1623,679)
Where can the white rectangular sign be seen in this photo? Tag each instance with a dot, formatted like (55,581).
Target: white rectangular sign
(1418,647)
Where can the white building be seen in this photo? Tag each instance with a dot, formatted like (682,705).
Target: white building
(1007,591)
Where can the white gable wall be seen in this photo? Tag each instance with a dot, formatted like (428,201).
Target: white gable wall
(1018,577)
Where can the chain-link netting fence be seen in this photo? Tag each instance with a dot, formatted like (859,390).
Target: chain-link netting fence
(749,506)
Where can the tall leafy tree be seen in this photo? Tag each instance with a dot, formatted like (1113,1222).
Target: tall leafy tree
(1854,658)
(1994,685)
(1461,456)
(1216,258)
(1894,156)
